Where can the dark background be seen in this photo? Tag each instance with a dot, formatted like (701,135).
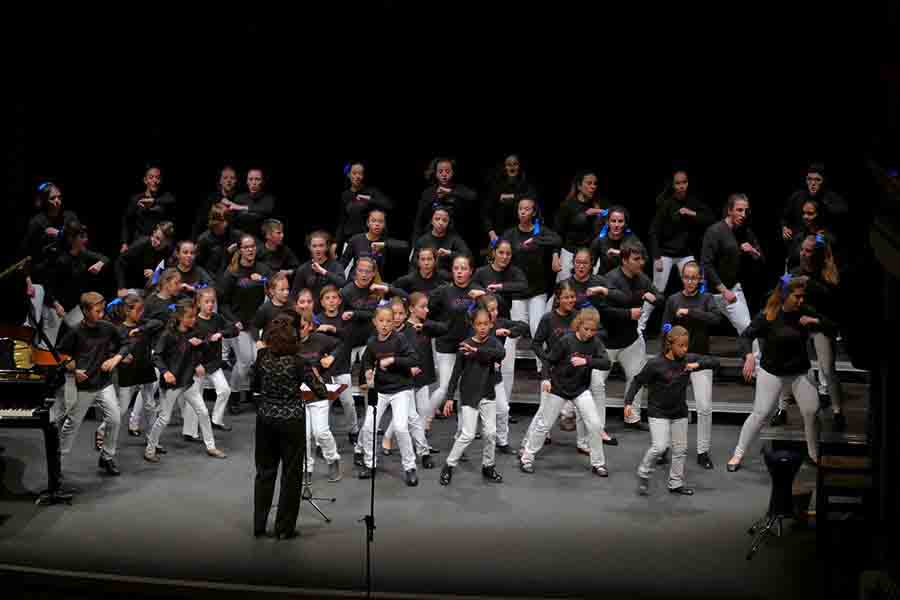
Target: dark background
(743,97)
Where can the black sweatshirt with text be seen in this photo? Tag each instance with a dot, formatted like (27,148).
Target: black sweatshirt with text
(421,341)
(211,352)
(306,278)
(362,303)
(354,210)
(139,222)
(315,347)
(574,224)
(666,382)
(450,241)
(531,254)
(674,234)
(621,328)
(280,259)
(340,334)
(552,328)
(783,340)
(475,375)
(511,278)
(451,305)
(567,381)
(240,295)
(91,346)
(397,377)
(600,249)
(414,282)
(721,254)
(703,313)
(140,256)
(140,369)
(175,354)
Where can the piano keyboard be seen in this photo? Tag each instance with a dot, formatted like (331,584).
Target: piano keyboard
(17,413)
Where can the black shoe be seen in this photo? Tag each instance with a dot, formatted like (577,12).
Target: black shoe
(109,465)
(353,437)
(358,459)
(365,473)
(433,450)
(385,451)
(505,449)
(234,403)
(663,459)
(134,432)
(446,475)
(779,419)
(638,426)
(600,471)
(161,450)
(258,533)
(839,422)
(491,474)
(287,535)
(526,467)
(612,441)
(427,462)
(380,431)
(681,490)
(547,441)
(191,439)
(218,427)
(643,486)
(412,479)
(439,417)
(704,461)
(733,468)
(478,435)
(463,457)
(513,419)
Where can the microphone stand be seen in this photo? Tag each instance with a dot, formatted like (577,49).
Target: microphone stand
(369,519)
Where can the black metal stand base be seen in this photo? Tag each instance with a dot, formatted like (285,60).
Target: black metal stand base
(306,494)
(768,526)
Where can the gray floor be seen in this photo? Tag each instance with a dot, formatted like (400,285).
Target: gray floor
(559,532)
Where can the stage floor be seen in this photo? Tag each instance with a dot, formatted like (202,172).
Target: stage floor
(558,532)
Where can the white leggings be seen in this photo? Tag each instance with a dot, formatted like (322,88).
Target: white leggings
(702,382)
(143,401)
(828,376)
(399,403)
(167,401)
(109,405)
(348,403)
(632,358)
(546,416)
(768,388)
(245,354)
(445,363)
(468,418)
(223,392)
(530,311)
(567,262)
(660,279)
(415,421)
(318,433)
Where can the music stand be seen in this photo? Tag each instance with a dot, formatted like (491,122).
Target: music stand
(306,493)
(783,465)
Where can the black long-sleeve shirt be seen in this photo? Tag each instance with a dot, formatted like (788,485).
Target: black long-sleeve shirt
(784,340)
(280,259)
(600,250)
(266,312)
(40,246)
(421,340)
(570,382)
(414,282)
(516,329)
(341,334)
(354,211)
(397,377)
(575,226)
(512,278)
(240,296)
(451,241)
(498,214)
(621,328)
(583,300)
(175,354)
(530,254)
(461,203)
(821,297)
(475,375)
(552,328)
(140,370)
(666,382)
(212,250)
(140,256)
(362,303)
(451,305)
(703,313)
(211,352)
(360,245)
(833,210)
(317,346)
(306,278)
(198,278)
(91,346)
(68,278)
(721,254)
(675,235)
(201,218)
(138,222)
(261,207)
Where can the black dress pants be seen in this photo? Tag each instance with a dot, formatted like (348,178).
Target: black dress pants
(278,442)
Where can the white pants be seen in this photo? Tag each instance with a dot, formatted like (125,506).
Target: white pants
(502,410)
(660,279)
(768,388)
(245,354)
(445,363)
(168,398)
(399,403)
(546,416)
(318,433)
(567,262)
(348,403)
(737,312)
(828,376)
(598,392)
(416,424)
(468,417)
(702,382)
(632,358)
(144,400)
(530,311)
(51,321)
(109,405)
(223,392)
(662,433)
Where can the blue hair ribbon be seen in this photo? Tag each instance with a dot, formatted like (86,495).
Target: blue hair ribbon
(172,307)
(666,328)
(536,230)
(113,304)
(316,320)
(347,169)
(820,240)
(586,303)
(702,286)
(784,281)
(157,272)
(43,186)
(603,231)
(494,242)
(603,213)
(628,231)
